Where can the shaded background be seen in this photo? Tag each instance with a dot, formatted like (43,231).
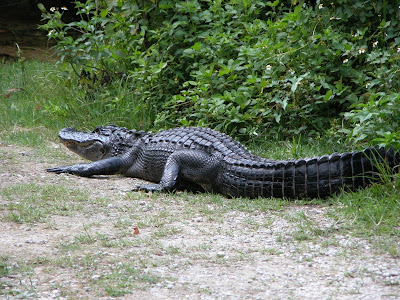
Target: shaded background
(19,20)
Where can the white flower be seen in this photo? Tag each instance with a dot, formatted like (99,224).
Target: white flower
(268,67)
(291,71)
(374,44)
(320,6)
(50,33)
(64,8)
(398,49)
(362,50)
(367,84)
(345,61)
(52,9)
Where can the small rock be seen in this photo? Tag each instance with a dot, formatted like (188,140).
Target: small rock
(220,254)
(55,293)
(391,273)
(95,277)
(27,294)
(88,289)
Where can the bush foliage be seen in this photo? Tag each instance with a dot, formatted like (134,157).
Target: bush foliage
(245,67)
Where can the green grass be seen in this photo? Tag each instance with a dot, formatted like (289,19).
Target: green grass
(40,84)
(4,269)
(32,137)
(372,211)
(125,278)
(30,203)
(23,269)
(306,147)
(43,94)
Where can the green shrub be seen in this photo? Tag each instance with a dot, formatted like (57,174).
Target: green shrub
(243,67)
(377,120)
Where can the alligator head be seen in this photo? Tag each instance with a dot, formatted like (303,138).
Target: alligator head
(103,142)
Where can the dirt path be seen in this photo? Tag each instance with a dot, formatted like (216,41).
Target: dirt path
(65,237)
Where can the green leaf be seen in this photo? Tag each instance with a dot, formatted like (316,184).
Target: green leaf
(328,95)
(41,7)
(225,70)
(277,117)
(294,87)
(104,13)
(197,46)
(272,4)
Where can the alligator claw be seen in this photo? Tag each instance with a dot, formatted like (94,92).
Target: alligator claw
(60,170)
(147,188)
(57,170)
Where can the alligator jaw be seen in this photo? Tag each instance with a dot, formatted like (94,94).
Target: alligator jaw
(89,145)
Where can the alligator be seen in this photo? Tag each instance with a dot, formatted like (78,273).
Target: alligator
(205,160)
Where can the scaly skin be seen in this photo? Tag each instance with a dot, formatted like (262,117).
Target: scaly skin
(202,159)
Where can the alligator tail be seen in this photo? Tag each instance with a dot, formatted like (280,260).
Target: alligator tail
(307,178)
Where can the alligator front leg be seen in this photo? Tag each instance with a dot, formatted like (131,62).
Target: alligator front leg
(191,166)
(107,166)
(168,180)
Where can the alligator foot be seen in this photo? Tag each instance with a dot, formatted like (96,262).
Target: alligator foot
(148,188)
(59,170)
(106,166)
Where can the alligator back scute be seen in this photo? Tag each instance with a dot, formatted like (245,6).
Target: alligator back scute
(288,189)
(300,178)
(335,173)
(358,161)
(393,160)
(311,178)
(377,160)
